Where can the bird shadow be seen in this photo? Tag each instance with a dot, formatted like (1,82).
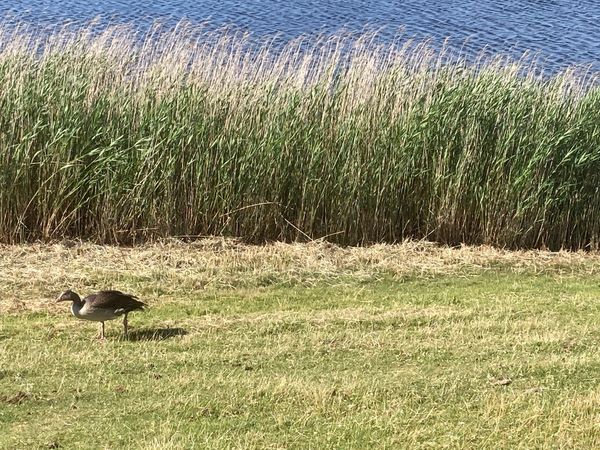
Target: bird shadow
(155,334)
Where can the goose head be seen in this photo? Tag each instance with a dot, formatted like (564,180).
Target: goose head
(68,296)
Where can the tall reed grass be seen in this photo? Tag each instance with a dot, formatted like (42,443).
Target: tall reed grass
(120,138)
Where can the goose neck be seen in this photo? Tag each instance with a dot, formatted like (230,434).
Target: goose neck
(76,308)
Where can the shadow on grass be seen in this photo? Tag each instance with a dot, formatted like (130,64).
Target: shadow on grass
(155,334)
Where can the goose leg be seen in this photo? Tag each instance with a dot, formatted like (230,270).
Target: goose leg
(125,325)
(102,331)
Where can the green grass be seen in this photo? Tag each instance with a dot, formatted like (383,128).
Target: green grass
(329,351)
(118,139)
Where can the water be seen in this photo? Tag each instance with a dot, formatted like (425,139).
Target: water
(562,32)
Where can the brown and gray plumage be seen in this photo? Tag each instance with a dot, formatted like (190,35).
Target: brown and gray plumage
(102,306)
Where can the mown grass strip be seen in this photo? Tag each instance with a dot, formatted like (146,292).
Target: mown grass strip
(410,346)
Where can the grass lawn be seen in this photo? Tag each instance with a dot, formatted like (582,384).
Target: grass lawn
(302,346)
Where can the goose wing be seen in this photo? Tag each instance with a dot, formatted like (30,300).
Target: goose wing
(114,300)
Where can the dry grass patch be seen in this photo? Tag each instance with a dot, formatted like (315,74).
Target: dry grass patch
(172,267)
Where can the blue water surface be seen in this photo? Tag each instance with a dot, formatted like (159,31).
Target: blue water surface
(562,32)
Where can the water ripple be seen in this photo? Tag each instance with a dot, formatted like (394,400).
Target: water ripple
(562,32)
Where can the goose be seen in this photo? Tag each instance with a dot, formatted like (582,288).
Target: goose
(102,306)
